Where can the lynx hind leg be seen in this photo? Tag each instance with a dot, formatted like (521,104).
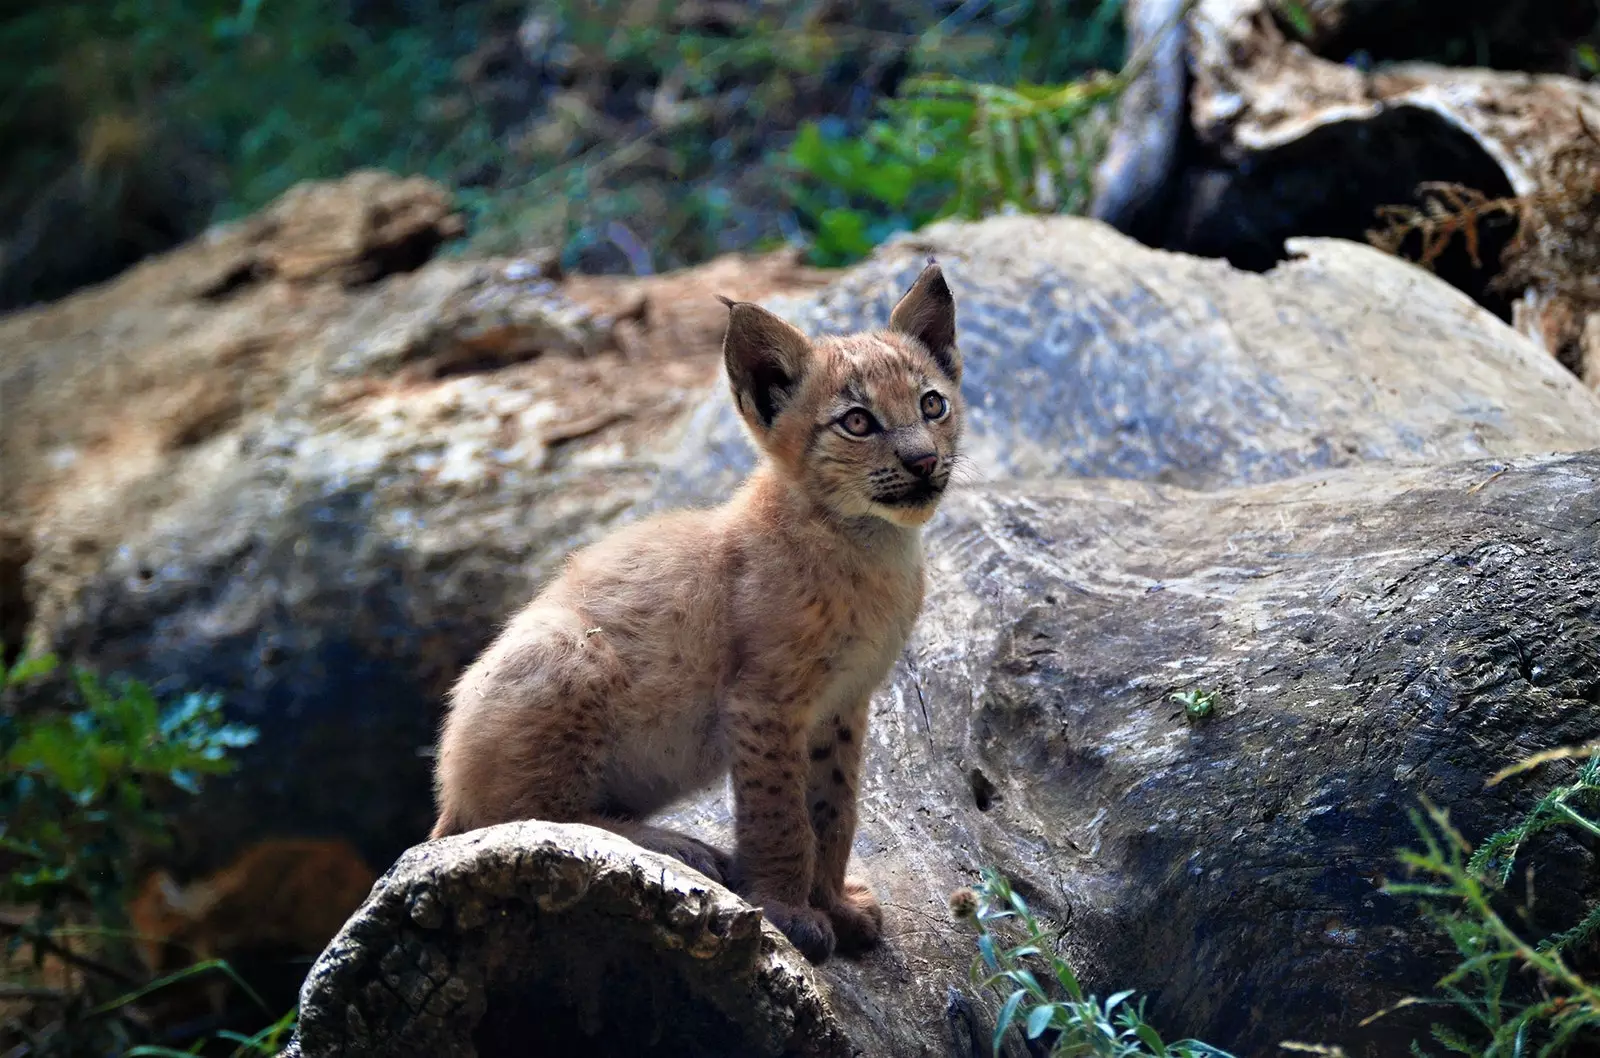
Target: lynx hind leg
(528,735)
(691,852)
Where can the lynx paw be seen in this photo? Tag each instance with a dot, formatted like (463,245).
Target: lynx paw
(807,928)
(857,918)
(707,859)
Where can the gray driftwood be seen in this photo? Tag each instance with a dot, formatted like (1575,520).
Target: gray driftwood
(1378,634)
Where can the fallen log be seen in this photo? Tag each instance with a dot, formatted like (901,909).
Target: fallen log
(1376,634)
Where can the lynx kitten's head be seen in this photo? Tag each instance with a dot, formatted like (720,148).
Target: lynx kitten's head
(867,424)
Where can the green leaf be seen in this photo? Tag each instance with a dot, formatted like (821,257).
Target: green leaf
(1039,1019)
(986,949)
(1150,1038)
(1068,979)
(1008,1012)
(184,974)
(29,669)
(1026,979)
(1298,17)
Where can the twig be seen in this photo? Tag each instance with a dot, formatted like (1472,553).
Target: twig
(1486,480)
(32,992)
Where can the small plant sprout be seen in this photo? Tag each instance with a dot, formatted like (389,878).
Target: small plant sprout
(1198,704)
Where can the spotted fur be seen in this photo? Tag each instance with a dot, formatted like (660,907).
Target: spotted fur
(748,637)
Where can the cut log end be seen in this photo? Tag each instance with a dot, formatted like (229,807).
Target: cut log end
(485,943)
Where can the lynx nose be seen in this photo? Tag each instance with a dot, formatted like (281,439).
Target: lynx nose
(921,465)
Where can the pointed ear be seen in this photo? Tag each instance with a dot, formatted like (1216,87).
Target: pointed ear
(766,359)
(171,895)
(927,313)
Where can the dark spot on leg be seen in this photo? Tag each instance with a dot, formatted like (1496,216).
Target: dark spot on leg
(821,753)
(838,776)
(846,735)
(774,789)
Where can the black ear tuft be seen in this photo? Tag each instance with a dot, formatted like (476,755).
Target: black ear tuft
(766,359)
(927,313)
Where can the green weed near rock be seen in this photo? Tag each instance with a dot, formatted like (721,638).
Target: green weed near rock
(86,783)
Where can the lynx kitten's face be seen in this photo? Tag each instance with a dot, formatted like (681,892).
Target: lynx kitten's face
(868,424)
(884,429)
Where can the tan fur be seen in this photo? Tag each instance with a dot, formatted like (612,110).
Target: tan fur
(292,895)
(749,636)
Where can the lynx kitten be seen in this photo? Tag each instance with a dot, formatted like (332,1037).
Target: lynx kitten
(747,637)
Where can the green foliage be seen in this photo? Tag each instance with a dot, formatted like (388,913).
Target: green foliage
(1298,18)
(1011,944)
(76,796)
(1586,58)
(83,791)
(948,147)
(636,125)
(1460,890)
(732,97)
(267,1043)
(273,93)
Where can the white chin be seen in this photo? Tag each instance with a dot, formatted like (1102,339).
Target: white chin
(906,517)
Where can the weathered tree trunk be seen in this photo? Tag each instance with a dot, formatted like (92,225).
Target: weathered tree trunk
(1278,137)
(1377,634)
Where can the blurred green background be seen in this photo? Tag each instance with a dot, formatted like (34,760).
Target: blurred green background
(630,134)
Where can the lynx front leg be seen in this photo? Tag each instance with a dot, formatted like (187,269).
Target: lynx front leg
(777,854)
(835,764)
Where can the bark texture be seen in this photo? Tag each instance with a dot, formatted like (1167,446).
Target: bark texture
(544,938)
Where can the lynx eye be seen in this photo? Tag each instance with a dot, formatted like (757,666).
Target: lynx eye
(934,405)
(858,422)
